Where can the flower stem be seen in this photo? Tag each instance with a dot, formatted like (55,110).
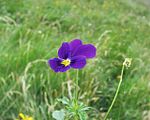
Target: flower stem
(69,85)
(116,94)
(76,96)
(76,87)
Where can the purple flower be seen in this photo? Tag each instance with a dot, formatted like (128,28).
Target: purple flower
(72,55)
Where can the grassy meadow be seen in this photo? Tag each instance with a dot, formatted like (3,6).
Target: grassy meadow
(31,31)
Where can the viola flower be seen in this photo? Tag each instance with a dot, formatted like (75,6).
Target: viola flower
(72,55)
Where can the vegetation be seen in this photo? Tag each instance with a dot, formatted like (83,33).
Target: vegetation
(31,31)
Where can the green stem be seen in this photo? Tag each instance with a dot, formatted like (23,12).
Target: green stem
(76,86)
(68,85)
(116,94)
(76,96)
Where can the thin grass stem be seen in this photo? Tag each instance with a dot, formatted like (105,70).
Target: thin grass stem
(116,94)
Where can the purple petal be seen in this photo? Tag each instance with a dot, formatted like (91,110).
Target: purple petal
(78,62)
(74,44)
(55,64)
(64,51)
(88,50)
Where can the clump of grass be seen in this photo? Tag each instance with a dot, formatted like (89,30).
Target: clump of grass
(33,30)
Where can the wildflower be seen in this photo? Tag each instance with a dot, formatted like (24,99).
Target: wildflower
(72,55)
(127,62)
(24,117)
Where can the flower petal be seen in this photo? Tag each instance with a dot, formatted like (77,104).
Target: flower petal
(78,62)
(55,64)
(64,51)
(88,50)
(74,44)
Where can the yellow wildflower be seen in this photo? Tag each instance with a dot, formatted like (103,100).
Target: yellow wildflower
(21,116)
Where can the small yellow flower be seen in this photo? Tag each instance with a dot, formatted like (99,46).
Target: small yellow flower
(21,116)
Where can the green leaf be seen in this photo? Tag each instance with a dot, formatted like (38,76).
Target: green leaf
(58,114)
(83,116)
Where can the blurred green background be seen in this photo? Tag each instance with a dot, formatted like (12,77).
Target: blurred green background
(31,31)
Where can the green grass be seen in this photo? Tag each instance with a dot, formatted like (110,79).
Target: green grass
(31,31)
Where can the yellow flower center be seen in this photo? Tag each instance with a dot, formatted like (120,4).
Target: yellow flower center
(66,62)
